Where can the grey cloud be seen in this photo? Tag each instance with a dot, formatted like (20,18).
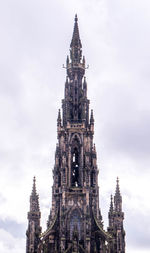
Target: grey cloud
(135,237)
(130,137)
(14,228)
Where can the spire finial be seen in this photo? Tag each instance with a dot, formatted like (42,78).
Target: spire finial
(34,198)
(76,52)
(92,117)
(76,37)
(117,197)
(76,18)
(34,186)
(117,187)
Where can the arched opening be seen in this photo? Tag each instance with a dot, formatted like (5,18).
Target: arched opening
(59,179)
(75,225)
(75,168)
(76,162)
(92,178)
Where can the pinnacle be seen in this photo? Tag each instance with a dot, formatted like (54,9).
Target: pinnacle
(111,203)
(84,83)
(117,187)
(76,37)
(94,148)
(117,197)
(92,117)
(34,198)
(34,186)
(59,118)
(76,18)
(59,112)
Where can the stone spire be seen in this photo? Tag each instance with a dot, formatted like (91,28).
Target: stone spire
(117,198)
(111,209)
(34,215)
(75,104)
(85,87)
(116,217)
(92,118)
(117,187)
(111,213)
(76,37)
(75,51)
(59,118)
(34,198)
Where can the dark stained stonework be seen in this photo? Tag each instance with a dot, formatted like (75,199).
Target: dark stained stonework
(75,221)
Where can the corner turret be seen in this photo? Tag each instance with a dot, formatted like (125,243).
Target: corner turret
(116,217)
(34,228)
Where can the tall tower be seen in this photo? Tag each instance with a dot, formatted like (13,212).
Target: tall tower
(34,229)
(75,222)
(116,217)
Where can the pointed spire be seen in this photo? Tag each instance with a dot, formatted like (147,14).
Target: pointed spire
(84,83)
(66,80)
(117,187)
(92,118)
(59,118)
(116,221)
(85,87)
(75,51)
(111,204)
(34,198)
(34,215)
(111,212)
(34,186)
(117,197)
(83,61)
(67,61)
(76,42)
(75,106)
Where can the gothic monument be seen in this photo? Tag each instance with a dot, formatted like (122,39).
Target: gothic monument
(75,221)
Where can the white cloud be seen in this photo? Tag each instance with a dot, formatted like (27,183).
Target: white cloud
(9,243)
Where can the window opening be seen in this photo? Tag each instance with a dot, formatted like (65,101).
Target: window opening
(75,225)
(75,168)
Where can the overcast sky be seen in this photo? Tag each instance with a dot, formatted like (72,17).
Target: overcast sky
(34,41)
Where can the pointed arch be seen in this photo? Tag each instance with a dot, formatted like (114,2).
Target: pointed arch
(75,224)
(75,177)
(75,137)
(92,178)
(74,207)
